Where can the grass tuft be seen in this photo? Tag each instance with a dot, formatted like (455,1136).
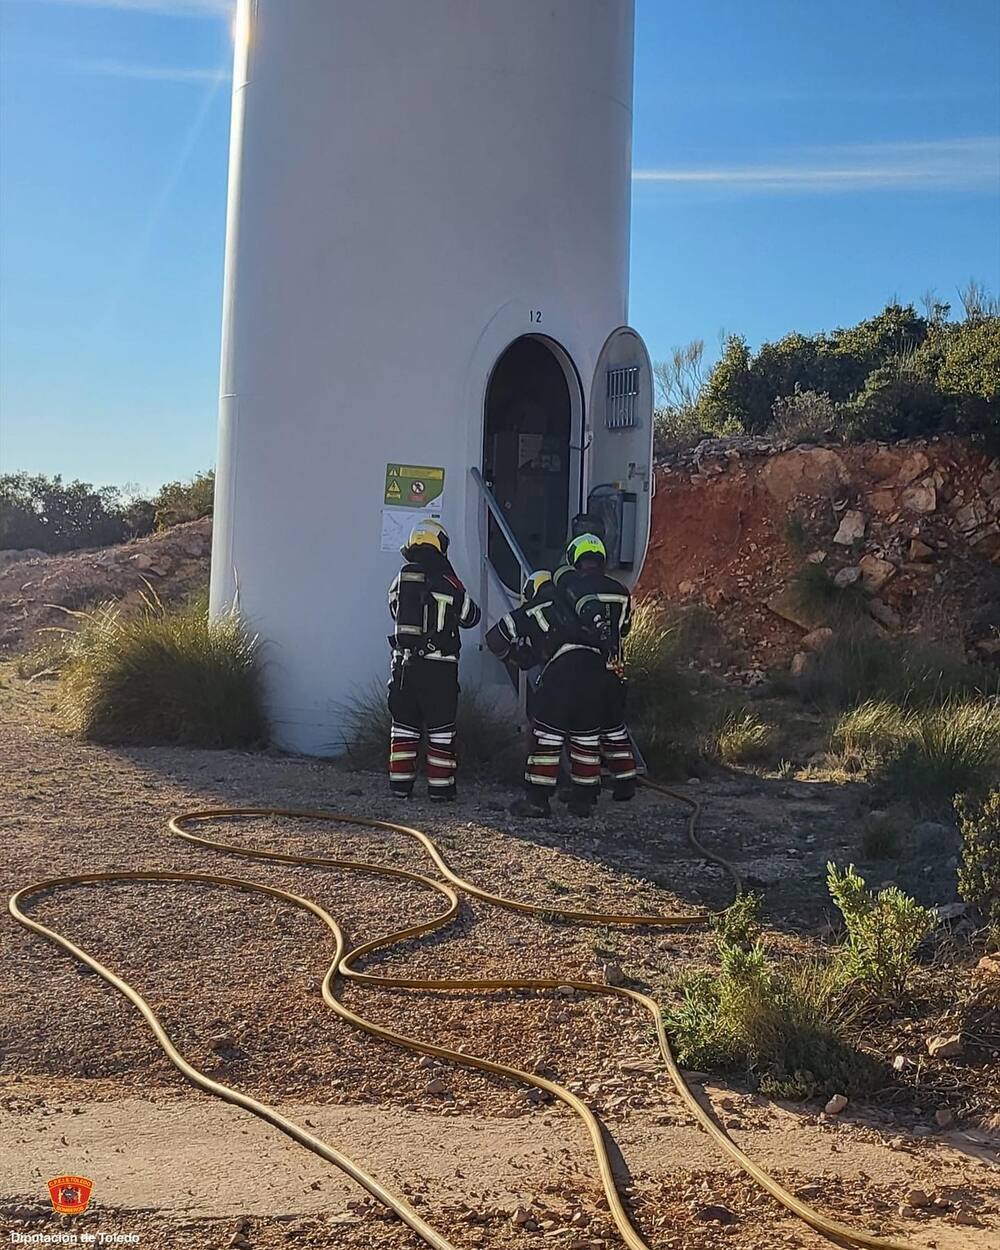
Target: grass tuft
(856,667)
(819,596)
(159,676)
(743,738)
(925,755)
(489,742)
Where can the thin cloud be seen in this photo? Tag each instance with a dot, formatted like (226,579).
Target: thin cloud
(167,8)
(967,164)
(146,73)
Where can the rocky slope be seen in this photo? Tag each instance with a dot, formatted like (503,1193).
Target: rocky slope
(734,522)
(35,587)
(916,524)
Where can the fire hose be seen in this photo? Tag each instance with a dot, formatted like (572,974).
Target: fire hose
(343,968)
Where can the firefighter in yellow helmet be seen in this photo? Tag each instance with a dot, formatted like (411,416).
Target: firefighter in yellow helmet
(603,608)
(428,605)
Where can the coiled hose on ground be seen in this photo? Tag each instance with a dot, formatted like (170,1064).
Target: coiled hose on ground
(343,966)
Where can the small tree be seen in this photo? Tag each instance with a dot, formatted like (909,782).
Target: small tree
(979,873)
(883,931)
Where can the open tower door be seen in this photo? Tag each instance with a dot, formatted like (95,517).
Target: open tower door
(620,479)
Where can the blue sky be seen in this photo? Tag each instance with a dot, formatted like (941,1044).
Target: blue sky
(797,165)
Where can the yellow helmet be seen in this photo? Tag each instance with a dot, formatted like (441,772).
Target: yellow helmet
(585,545)
(430,533)
(534,583)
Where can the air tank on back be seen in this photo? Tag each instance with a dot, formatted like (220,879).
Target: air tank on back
(425,303)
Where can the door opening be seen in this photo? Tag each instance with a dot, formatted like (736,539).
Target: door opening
(528,458)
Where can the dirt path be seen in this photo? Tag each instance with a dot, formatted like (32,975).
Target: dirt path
(84,1088)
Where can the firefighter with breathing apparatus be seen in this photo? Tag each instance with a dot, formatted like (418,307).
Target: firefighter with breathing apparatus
(429,605)
(603,608)
(568,702)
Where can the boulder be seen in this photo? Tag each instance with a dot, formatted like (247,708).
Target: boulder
(786,604)
(851,528)
(920,550)
(915,465)
(883,463)
(921,497)
(847,576)
(971,516)
(875,572)
(882,501)
(813,472)
(817,639)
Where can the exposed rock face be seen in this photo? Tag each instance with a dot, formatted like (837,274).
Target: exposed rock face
(813,472)
(32,590)
(921,497)
(851,528)
(875,571)
(735,522)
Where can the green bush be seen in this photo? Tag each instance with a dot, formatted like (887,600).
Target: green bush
(804,416)
(895,375)
(52,515)
(489,742)
(979,872)
(176,502)
(883,932)
(163,677)
(785,1027)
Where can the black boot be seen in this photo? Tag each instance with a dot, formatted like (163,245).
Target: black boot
(624,790)
(582,805)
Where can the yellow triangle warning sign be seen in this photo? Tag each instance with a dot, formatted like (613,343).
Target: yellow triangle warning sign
(392,490)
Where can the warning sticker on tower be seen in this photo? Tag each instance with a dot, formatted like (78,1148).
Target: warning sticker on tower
(412,485)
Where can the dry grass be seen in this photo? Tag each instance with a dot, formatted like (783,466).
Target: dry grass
(160,676)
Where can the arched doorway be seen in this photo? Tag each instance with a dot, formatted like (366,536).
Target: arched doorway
(532,406)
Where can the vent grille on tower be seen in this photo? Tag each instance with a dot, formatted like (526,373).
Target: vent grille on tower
(622,393)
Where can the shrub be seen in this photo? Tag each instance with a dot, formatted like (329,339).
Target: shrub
(785,1027)
(855,667)
(488,741)
(883,932)
(743,737)
(661,700)
(979,872)
(176,502)
(925,754)
(804,416)
(796,533)
(53,515)
(881,835)
(951,748)
(163,677)
(740,924)
(819,596)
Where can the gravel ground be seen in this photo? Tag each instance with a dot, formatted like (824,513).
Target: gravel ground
(234,977)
